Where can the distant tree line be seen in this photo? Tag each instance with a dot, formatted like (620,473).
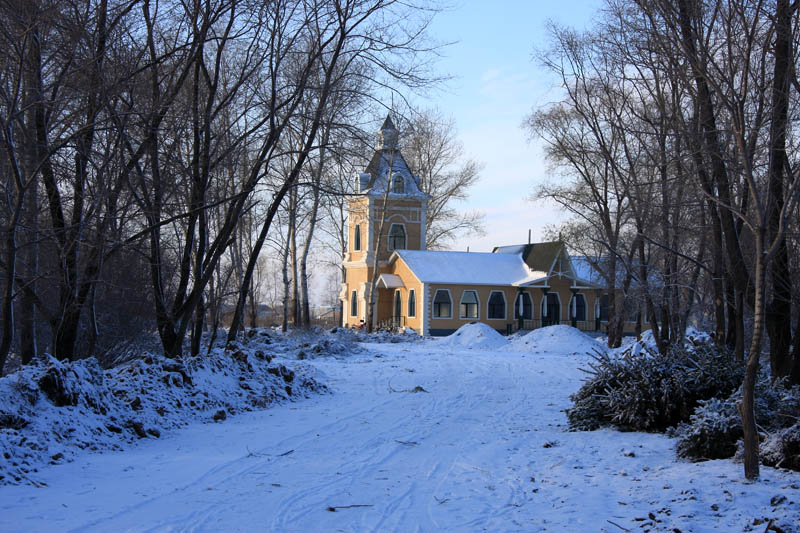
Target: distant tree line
(676,141)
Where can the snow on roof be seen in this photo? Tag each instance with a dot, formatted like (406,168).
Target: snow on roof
(390,281)
(585,271)
(379,169)
(469,268)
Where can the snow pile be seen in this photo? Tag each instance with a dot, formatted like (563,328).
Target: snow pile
(51,410)
(303,344)
(381,336)
(560,339)
(475,335)
(697,337)
(647,342)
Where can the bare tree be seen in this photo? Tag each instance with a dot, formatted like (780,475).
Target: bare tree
(683,110)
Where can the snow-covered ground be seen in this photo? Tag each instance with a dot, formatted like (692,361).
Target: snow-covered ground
(416,436)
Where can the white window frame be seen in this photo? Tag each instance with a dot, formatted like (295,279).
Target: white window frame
(560,306)
(597,307)
(477,305)
(505,305)
(573,307)
(530,297)
(412,296)
(389,237)
(433,304)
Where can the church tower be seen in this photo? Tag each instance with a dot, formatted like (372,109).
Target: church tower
(388,213)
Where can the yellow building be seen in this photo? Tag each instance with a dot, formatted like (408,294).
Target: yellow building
(436,292)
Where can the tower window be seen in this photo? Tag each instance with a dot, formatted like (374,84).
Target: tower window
(469,305)
(353,304)
(357,237)
(398,185)
(412,303)
(397,237)
(497,305)
(442,304)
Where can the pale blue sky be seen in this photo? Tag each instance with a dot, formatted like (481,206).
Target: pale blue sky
(496,84)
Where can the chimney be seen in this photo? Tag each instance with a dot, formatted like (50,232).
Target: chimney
(529,236)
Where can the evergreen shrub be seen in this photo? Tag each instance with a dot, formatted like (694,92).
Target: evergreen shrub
(647,391)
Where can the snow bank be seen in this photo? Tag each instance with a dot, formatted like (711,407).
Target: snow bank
(51,410)
(559,339)
(647,343)
(475,335)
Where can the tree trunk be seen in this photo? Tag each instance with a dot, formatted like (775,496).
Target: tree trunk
(747,405)
(317,179)
(733,314)
(294,305)
(253,305)
(796,353)
(8,295)
(198,326)
(285,321)
(779,310)
(739,319)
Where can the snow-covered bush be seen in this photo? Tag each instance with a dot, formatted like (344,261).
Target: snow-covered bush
(51,409)
(712,431)
(782,448)
(715,428)
(649,391)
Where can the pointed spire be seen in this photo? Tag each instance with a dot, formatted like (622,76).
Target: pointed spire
(388,124)
(387,136)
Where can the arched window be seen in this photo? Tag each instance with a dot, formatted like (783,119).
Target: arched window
(551,309)
(577,307)
(398,307)
(469,305)
(412,303)
(442,305)
(397,237)
(523,306)
(353,304)
(398,185)
(357,238)
(497,305)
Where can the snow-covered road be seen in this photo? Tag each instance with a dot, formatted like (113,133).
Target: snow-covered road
(482,448)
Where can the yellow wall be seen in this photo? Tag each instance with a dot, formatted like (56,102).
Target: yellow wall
(409,213)
(358,263)
(399,268)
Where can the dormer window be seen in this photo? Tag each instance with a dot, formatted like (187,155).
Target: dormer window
(398,185)
(357,238)
(397,237)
